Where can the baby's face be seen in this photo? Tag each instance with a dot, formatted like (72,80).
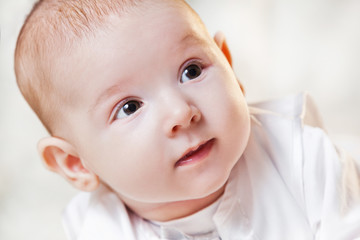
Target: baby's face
(158,113)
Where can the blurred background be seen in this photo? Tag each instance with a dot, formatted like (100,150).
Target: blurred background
(279,47)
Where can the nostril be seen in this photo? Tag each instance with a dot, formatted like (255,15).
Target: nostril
(183,120)
(175,128)
(194,119)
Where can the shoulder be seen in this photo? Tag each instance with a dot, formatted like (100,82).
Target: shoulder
(98,215)
(298,107)
(289,129)
(322,177)
(292,131)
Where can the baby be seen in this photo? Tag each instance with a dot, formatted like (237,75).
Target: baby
(146,117)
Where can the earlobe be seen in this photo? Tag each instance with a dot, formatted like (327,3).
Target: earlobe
(60,156)
(221,42)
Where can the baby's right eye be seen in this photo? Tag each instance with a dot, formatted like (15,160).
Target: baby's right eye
(127,109)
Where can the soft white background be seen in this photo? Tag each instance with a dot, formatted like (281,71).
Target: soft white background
(279,47)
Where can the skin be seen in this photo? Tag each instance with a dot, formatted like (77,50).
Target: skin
(182,96)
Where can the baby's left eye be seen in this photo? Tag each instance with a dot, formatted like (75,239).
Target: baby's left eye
(191,72)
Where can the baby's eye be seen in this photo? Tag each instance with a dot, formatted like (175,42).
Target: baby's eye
(127,109)
(191,72)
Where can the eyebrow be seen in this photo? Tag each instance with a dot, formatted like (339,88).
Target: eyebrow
(108,92)
(189,37)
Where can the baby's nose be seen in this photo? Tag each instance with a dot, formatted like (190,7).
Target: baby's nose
(182,115)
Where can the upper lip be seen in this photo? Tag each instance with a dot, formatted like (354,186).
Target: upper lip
(192,150)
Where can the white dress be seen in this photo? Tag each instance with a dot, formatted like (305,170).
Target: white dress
(290,183)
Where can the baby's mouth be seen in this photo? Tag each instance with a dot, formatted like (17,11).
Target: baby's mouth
(196,154)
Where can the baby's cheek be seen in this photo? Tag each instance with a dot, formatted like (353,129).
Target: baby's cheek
(237,123)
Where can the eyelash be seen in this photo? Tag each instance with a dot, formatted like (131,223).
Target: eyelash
(192,62)
(139,104)
(121,106)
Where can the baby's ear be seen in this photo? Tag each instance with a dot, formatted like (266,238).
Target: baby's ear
(60,156)
(221,42)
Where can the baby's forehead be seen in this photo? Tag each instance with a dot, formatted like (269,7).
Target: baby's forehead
(190,30)
(123,48)
(149,25)
(91,24)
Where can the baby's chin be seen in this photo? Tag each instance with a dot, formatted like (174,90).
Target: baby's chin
(208,194)
(213,188)
(178,209)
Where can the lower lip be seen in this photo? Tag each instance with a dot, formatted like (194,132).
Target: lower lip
(197,156)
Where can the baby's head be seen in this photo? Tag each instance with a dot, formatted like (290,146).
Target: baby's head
(137,96)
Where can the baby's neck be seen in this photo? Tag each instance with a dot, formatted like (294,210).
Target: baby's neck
(174,210)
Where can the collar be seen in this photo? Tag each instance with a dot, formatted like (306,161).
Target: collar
(200,222)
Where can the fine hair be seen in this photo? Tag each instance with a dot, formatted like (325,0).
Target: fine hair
(51,29)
